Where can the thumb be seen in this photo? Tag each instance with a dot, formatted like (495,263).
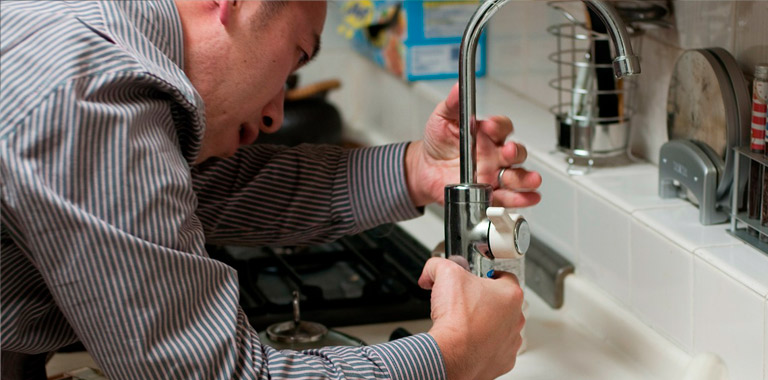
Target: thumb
(429,273)
(433,265)
(449,108)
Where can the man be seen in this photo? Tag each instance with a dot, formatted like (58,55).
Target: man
(121,123)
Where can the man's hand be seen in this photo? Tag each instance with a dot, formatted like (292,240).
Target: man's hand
(433,162)
(476,321)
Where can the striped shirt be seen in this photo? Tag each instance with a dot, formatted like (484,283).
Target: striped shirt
(104,218)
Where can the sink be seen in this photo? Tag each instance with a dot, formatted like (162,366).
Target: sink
(591,337)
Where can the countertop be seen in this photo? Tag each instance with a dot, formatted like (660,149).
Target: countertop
(557,348)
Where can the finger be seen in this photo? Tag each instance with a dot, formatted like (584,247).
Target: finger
(459,260)
(512,153)
(437,266)
(519,179)
(500,274)
(428,274)
(433,267)
(514,199)
(449,108)
(512,287)
(497,128)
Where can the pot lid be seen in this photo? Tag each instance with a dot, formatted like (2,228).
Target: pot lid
(292,332)
(296,331)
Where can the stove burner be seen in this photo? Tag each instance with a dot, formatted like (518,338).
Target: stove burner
(370,277)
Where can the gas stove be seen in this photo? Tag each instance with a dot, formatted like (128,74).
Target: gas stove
(366,278)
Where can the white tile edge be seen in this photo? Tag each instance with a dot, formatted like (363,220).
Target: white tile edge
(590,307)
(729,271)
(765,340)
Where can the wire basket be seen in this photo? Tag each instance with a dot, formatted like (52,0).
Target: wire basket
(593,108)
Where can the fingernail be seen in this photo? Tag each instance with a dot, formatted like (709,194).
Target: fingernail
(490,273)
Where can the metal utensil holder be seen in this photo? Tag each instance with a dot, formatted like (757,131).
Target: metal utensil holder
(587,138)
(740,220)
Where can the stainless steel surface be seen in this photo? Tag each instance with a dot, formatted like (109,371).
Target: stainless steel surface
(468,193)
(465,233)
(688,167)
(462,213)
(296,331)
(522,236)
(741,222)
(592,111)
(599,140)
(626,62)
(545,272)
(291,332)
(467,53)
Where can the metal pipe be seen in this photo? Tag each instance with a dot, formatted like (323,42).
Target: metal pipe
(467,53)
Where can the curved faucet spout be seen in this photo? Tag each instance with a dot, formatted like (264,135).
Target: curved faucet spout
(466,203)
(625,63)
(467,53)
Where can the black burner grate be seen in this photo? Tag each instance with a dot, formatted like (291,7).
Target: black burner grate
(367,278)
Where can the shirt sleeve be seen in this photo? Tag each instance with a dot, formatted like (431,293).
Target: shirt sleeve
(101,201)
(269,194)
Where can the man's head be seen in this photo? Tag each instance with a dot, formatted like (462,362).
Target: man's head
(238,55)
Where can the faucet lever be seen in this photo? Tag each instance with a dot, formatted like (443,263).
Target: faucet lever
(509,235)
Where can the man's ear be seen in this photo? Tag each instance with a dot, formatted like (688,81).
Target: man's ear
(225,10)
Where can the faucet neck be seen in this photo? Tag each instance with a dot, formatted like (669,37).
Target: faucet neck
(467,53)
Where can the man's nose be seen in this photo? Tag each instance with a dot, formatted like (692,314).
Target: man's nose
(272,113)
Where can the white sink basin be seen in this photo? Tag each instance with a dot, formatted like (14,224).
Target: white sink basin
(591,337)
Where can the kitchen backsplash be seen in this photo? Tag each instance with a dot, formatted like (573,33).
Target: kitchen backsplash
(519,46)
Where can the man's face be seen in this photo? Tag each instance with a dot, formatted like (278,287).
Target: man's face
(240,65)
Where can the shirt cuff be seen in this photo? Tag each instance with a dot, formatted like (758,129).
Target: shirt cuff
(414,357)
(379,193)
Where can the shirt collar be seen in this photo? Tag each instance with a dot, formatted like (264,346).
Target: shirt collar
(151,32)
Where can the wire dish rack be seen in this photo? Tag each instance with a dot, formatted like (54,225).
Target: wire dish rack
(593,109)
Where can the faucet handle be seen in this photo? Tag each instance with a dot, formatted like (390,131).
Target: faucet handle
(509,235)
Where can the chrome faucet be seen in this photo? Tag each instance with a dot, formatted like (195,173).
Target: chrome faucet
(472,228)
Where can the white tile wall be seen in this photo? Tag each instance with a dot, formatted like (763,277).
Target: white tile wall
(555,223)
(751,42)
(729,320)
(702,24)
(658,54)
(524,48)
(661,280)
(765,342)
(605,260)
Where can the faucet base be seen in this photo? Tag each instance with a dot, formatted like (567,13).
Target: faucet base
(465,208)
